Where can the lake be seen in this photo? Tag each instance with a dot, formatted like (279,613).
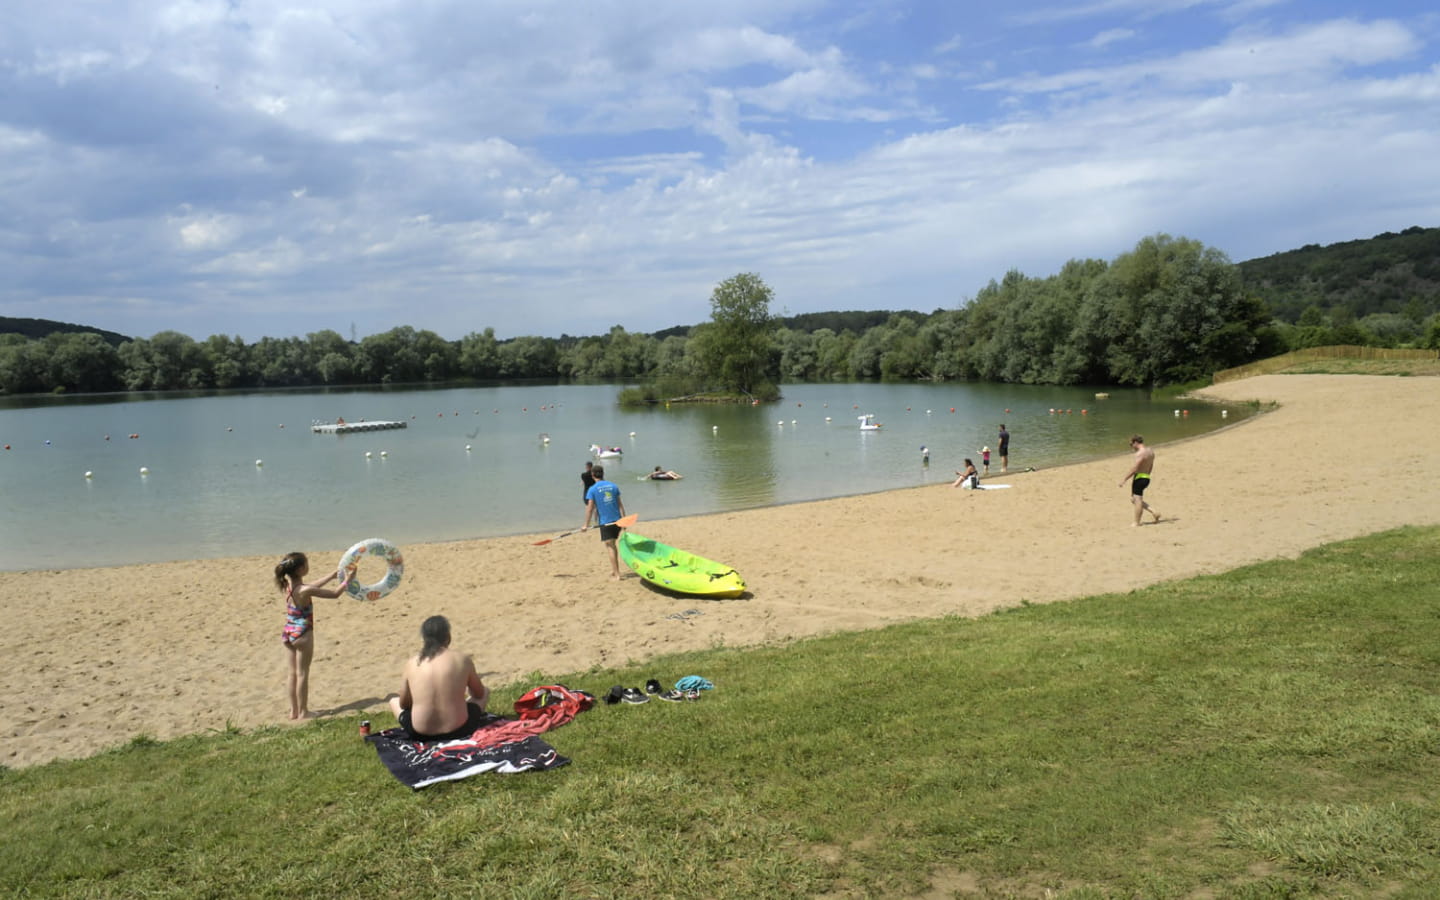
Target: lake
(235,474)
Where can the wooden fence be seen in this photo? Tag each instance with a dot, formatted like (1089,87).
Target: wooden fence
(1342,351)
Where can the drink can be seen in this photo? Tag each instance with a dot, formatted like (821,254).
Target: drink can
(365,728)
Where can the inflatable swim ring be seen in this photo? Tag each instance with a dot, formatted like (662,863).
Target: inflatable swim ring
(382,549)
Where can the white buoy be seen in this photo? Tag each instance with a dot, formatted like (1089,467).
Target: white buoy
(632,434)
(1177,412)
(367,454)
(89,474)
(467,448)
(144,470)
(827,418)
(792,421)
(384,452)
(1224,413)
(714,427)
(259,463)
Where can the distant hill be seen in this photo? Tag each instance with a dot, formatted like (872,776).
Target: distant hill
(38,328)
(855,321)
(1388,273)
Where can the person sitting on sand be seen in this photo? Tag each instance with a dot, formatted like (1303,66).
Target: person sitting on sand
(665,475)
(432,705)
(969,479)
(299,632)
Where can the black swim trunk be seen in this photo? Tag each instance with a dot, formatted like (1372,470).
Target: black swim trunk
(1138,484)
(609,532)
(474,719)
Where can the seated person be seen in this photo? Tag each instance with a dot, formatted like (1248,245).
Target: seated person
(969,479)
(432,705)
(665,475)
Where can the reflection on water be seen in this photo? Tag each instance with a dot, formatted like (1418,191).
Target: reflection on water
(239,474)
(740,455)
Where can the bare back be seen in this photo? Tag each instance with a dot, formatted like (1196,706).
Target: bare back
(1144,460)
(436,691)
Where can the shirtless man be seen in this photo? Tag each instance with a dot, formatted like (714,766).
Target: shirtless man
(432,704)
(1139,477)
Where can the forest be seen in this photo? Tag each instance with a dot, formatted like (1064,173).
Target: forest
(1171,310)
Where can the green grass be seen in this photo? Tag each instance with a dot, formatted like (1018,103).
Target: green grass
(1398,367)
(1269,733)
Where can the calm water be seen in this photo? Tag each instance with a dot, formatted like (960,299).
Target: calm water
(205,496)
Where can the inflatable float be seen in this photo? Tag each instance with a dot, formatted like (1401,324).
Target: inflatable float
(381,549)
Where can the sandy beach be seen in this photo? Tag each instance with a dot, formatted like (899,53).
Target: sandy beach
(96,656)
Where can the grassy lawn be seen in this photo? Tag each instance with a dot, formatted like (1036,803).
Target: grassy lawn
(1271,732)
(1401,367)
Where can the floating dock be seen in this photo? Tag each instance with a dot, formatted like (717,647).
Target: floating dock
(353,427)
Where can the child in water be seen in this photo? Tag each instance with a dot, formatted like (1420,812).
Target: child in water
(299,632)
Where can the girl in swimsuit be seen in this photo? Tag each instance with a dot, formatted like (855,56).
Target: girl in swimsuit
(299,632)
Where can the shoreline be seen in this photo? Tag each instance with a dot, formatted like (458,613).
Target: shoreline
(102,654)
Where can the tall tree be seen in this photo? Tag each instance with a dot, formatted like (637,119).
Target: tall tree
(1164,308)
(734,347)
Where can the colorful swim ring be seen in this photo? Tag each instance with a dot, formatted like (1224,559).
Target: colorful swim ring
(379,548)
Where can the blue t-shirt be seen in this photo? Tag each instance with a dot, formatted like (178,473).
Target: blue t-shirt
(607,501)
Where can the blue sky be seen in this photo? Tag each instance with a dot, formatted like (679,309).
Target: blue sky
(279,167)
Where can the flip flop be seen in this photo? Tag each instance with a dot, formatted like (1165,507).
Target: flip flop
(652,686)
(634,695)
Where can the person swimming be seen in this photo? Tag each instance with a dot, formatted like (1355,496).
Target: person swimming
(661,474)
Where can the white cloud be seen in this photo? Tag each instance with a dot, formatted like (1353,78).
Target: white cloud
(456,165)
(1110,36)
(1303,51)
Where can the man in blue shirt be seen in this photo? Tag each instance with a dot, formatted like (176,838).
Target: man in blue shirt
(602,500)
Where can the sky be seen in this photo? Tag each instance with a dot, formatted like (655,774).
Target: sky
(545,167)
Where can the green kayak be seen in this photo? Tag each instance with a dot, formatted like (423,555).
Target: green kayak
(675,570)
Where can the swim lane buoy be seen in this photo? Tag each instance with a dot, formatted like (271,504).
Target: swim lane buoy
(381,549)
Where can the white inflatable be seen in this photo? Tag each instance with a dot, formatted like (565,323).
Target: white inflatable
(381,549)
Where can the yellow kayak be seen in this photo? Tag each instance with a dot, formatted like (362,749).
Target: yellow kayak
(675,570)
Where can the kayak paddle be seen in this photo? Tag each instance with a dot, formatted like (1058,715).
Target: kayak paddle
(626,522)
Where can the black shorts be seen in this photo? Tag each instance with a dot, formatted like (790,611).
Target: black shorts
(1138,485)
(609,532)
(475,717)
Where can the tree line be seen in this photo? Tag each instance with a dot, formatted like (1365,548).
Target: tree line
(1171,310)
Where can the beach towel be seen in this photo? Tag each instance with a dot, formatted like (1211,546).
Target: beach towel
(501,745)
